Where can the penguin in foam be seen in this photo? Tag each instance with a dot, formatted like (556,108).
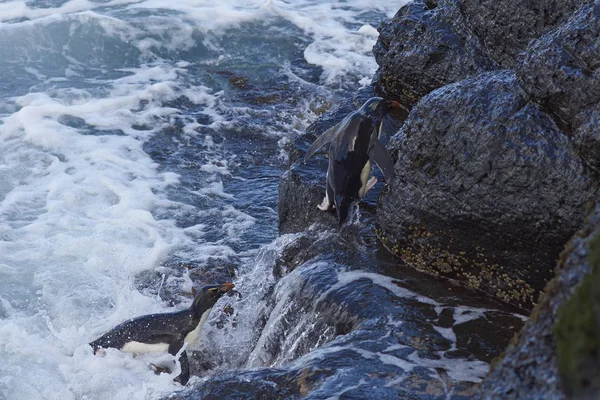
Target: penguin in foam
(165,332)
(353,143)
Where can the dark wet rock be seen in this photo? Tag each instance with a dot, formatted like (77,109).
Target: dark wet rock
(307,245)
(487,189)
(431,43)
(326,315)
(446,318)
(426,46)
(561,70)
(477,337)
(587,138)
(240,82)
(264,385)
(506,27)
(211,271)
(299,196)
(72,121)
(577,332)
(562,323)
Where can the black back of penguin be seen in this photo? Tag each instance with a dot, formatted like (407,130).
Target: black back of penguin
(165,328)
(348,156)
(150,329)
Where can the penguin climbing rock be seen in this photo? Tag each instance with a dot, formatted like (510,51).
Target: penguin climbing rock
(353,143)
(165,332)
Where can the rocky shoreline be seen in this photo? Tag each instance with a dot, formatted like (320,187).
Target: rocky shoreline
(497,167)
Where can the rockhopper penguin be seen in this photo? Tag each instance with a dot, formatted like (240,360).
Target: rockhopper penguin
(165,332)
(353,143)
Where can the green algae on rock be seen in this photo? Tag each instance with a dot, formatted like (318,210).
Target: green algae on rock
(529,367)
(577,333)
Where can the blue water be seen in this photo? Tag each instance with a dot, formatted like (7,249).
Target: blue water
(137,135)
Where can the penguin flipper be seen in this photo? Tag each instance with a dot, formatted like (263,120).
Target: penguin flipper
(348,128)
(322,140)
(380,156)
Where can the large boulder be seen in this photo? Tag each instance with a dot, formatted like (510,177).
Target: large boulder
(561,338)
(587,137)
(487,189)
(425,46)
(561,72)
(506,27)
(431,43)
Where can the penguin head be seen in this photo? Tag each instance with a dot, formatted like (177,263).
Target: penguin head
(207,296)
(378,107)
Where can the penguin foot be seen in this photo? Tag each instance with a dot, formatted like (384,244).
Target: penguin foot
(159,370)
(100,351)
(370,183)
(324,206)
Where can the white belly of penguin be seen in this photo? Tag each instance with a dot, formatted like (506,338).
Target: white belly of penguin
(364,178)
(139,347)
(193,335)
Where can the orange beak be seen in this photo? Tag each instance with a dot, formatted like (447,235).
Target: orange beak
(395,104)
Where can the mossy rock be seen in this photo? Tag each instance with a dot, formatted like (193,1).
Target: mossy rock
(577,333)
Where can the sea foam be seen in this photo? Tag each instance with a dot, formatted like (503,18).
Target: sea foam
(84,208)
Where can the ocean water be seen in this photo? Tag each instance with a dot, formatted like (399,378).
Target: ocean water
(137,132)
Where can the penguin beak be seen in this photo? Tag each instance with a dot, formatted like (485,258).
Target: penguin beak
(395,104)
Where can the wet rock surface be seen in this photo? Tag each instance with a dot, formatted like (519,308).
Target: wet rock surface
(426,46)
(587,138)
(561,322)
(506,27)
(487,189)
(394,336)
(561,69)
(429,44)
(491,182)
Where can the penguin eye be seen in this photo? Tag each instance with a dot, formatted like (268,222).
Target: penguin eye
(213,291)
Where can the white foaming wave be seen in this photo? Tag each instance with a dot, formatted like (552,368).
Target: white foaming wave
(458,369)
(237,344)
(75,228)
(209,15)
(214,189)
(13,10)
(338,47)
(347,277)
(342,35)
